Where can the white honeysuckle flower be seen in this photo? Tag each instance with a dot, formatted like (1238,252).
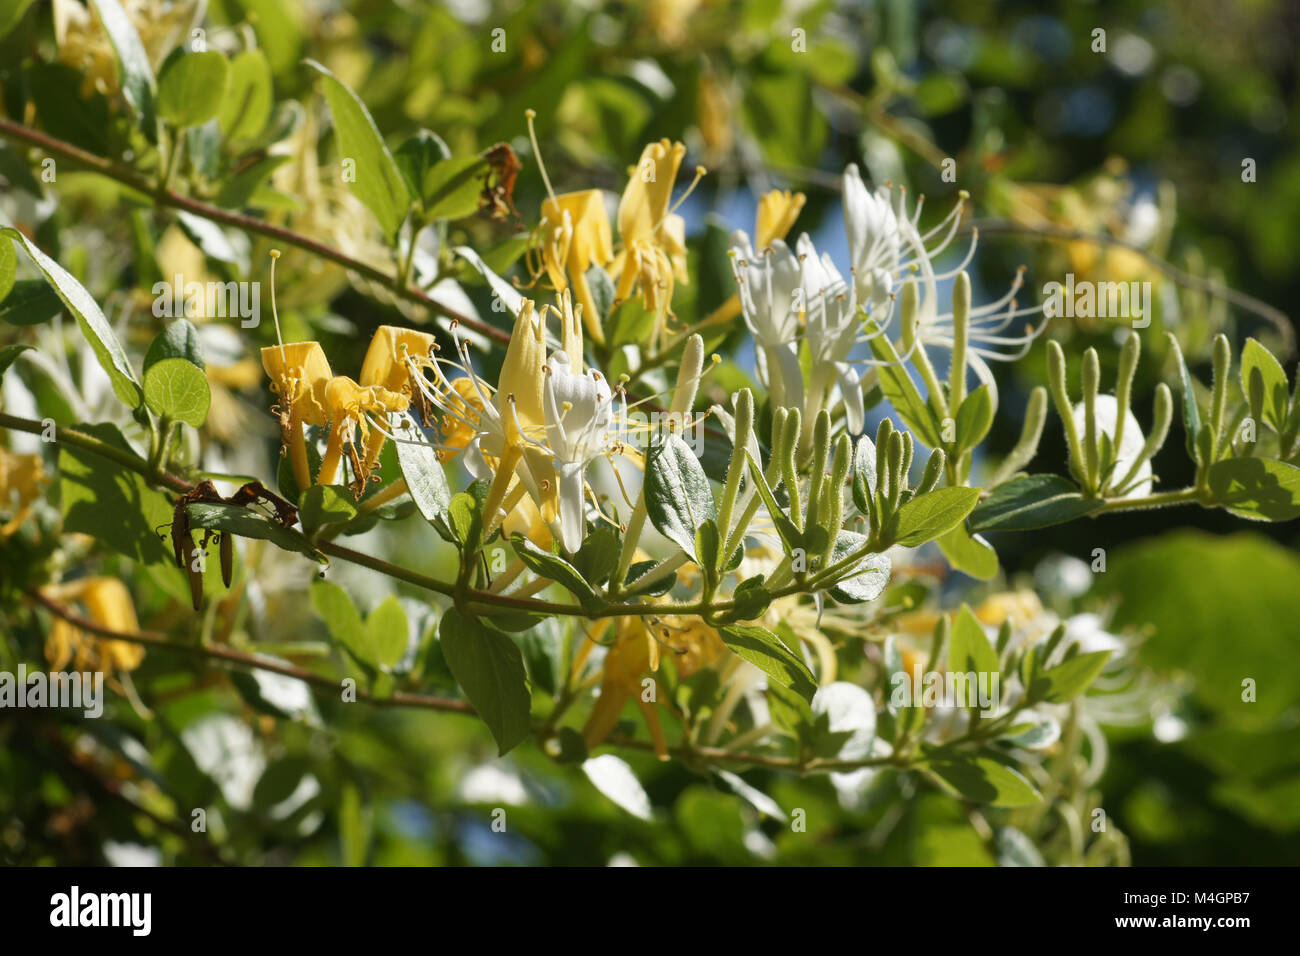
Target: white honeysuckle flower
(885,243)
(769,285)
(1130,448)
(832,328)
(887,249)
(579,418)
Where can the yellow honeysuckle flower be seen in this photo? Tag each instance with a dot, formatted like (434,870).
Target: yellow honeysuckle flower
(653,256)
(299,373)
(21,479)
(393,358)
(1019,607)
(576,236)
(348,406)
(777,211)
(625,664)
(108,603)
(524,517)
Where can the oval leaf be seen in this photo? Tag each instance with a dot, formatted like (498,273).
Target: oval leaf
(176,388)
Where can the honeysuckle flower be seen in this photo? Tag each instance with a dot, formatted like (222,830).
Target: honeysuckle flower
(887,248)
(500,428)
(22,478)
(632,657)
(653,254)
(768,285)
(885,242)
(299,374)
(832,327)
(576,235)
(579,416)
(777,211)
(349,407)
(84,44)
(386,366)
(107,602)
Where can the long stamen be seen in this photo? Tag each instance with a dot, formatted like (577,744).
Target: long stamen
(530,115)
(275,316)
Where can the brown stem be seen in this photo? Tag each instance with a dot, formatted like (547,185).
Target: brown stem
(167,197)
(160,641)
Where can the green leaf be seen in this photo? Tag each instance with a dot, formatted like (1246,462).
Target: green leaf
(708,546)
(542,641)
(93,324)
(765,651)
(250,95)
(180,340)
(451,188)
(865,581)
(238,191)
(177,388)
(974,418)
(969,650)
(9,354)
(113,505)
(934,514)
(63,108)
(1029,502)
(192,88)
(982,780)
(612,776)
(417,155)
(354,825)
(969,553)
(598,556)
(555,568)
(425,479)
(896,382)
(250,524)
(750,599)
(657,588)
(378,181)
(343,621)
(490,669)
(322,505)
(1191,414)
(30,301)
(386,630)
(791,712)
(789,532)
(678,497)
(11,11)
(864,475)
(1068,679)
(1264,384)
(1257,488)
(132,63)
(8,266)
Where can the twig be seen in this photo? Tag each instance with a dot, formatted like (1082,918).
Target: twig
(170,198)
(155,639)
